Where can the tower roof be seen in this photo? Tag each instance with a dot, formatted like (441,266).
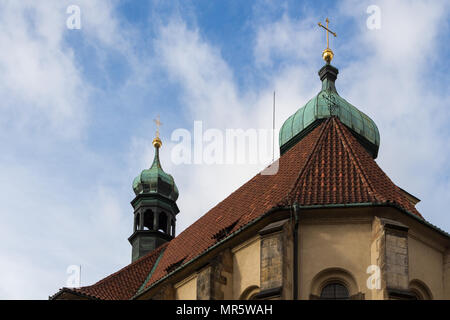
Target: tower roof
(154,180)
(327,103)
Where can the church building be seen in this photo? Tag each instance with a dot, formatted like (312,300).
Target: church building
(330,224)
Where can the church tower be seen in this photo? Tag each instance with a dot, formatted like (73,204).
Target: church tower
(155,207)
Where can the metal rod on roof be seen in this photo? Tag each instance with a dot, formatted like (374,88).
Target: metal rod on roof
(273,127)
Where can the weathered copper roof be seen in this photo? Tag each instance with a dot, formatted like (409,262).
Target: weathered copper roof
(155,181)
(325,104)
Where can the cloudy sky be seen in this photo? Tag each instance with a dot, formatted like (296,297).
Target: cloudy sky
(77,109)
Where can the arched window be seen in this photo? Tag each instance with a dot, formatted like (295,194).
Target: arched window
(420,290)
(137,222)
(172,228)
(148,220)
(334,291)
(162,222)
(335,283)
(249,293)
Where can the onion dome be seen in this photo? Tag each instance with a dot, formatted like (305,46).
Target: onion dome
(327,103)
(155,180)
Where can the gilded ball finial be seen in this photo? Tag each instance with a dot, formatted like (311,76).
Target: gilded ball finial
(157,143)
(327,55)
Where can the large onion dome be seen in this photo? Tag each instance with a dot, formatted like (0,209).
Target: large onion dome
(325,104)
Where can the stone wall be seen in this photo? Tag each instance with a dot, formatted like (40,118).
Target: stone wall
(391,246)
(167,292)
(214,281)
(276,261)
(447,274)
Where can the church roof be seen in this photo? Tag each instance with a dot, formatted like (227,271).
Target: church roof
(326,168)
(121,285)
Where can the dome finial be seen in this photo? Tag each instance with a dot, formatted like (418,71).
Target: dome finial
(327,54)
(157,143)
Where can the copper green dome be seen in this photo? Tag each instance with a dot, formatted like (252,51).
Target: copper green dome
(155,180)
(325,104)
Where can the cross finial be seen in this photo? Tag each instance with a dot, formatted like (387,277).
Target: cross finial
(158,124)
(327,54)
(157,141)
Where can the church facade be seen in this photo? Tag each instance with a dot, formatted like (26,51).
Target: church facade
(330,224)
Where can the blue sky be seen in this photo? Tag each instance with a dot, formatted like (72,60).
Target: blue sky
(77,110)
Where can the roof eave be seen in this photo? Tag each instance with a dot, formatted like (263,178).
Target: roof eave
(71,291)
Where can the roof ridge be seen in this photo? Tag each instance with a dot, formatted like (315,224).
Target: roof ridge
(152,270)
(134,263)
(308,160)
(354,159)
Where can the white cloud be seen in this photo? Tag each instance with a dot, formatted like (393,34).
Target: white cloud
(206,79)
(39,82)
(287,39)
(58,206)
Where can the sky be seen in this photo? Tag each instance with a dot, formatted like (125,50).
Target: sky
(77,109)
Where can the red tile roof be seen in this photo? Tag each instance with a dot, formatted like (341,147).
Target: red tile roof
(341,171)
(123,284)
(328,166)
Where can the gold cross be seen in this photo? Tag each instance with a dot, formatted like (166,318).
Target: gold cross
(328,30)
(158,124)
(327,54)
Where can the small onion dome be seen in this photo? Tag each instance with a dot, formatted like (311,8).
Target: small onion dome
(327,103)
(155,180)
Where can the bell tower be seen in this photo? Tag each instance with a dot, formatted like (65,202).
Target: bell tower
(155,207)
